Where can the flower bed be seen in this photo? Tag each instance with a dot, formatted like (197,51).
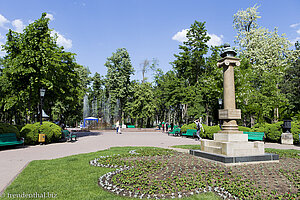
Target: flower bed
(165,174)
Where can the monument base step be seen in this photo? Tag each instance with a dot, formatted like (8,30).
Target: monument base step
(267,157)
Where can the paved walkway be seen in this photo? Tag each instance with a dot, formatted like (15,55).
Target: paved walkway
(14,160)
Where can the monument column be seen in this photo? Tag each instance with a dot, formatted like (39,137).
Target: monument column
(229,114)
(230,145)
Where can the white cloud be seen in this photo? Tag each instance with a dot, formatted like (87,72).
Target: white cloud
(18,24)
(215,40)
(62,41)
(180,36)
(3,21)
(1,36)
(50,16)
(294,25)
(295,40)
(298,31)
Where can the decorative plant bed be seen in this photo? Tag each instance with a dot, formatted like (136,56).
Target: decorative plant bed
(162,174)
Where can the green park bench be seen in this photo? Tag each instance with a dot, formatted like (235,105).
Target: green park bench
(9,139)
(190,132)
(260,136)
(69,135)
(130,126)
(176,131)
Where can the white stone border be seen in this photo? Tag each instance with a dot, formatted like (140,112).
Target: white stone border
(103,181)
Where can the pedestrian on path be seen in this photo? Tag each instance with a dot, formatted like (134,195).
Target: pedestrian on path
(163,126)
(118,127)
(199,127)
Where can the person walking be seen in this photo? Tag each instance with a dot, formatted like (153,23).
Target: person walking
(199,128)
(118,126)
(172,126)
(167,124)
(163,126)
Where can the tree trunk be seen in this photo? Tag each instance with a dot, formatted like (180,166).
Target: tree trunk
(207,114)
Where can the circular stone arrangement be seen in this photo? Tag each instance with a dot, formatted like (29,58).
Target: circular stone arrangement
(161,174)
(122,163)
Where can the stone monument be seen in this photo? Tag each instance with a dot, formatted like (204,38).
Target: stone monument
(230,145)
(287,136)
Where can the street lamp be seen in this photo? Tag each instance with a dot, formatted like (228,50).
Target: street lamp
(220,102)
(42,94)
(42,137)
(220,105)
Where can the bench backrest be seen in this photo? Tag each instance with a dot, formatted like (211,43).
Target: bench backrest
(255,135)
(65,132)
(191,131)
(8,137)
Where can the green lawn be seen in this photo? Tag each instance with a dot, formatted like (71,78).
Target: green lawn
(71,177)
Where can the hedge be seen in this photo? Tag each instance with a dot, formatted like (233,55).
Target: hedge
(272,131)
(7,128)
(208,130)
(30,132)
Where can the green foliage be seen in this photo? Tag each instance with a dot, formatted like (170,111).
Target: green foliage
(185,127)
(118,84)
(289,153)
(245,129)
(269,56)
(209,131)
(7,128)
(33,60)
(141,107)
(296,131)
(30,132)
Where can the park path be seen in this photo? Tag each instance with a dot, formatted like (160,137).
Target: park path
(13,161)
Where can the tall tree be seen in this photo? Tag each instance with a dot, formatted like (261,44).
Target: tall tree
(191,61)
(33,61)
(142,106)
(119,70)
(291,87)
(269,55)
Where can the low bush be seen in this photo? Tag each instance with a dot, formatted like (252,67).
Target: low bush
(30,132)
(273,131)
(245,129)
(7,128)
(209,131)
(185,127)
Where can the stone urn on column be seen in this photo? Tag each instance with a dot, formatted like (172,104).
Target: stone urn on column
(230,141)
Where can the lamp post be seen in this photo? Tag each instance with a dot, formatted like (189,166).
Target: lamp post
(220,106)
(42,94)
(42,137)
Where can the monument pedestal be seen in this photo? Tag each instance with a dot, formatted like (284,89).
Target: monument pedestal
(287,138)
(232,145)
(233,149)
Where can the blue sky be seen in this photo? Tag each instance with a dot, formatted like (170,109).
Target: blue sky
(94,29)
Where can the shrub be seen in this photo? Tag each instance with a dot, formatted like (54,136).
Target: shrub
(296,131)
(185,127)
(7,128)
(30,132)
(209,131)
(245,129)
(273,131)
